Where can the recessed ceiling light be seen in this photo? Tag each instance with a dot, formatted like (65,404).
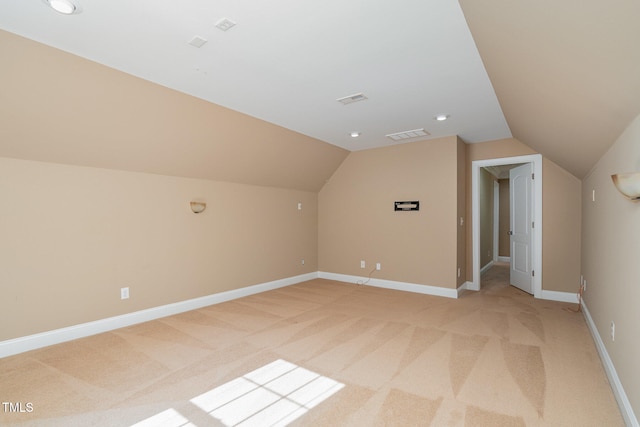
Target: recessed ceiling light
(62,6)
(354,134)
(441,117)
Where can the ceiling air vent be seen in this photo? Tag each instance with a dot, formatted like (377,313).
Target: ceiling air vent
(351,99)
(225,24)
(197,41)
(408,134)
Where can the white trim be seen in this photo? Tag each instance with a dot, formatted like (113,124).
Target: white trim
(504,259)
(43,339)
(496,219)
(486,267)
(462,288)
(476,165)
(390,284)
(559,296)
(618,390)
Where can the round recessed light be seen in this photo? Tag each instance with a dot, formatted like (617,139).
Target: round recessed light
(63,6)
(354,134)
(441,117)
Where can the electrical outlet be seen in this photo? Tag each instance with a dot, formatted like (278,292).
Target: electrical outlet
(299,206)
(378,266)
(363,264)
(584,285)
(613,331)
(458,271)
(124,293)
(302,262)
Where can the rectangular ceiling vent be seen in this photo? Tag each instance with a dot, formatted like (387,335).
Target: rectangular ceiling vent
(408,134)
(351,99)
(225,24)
(197,41)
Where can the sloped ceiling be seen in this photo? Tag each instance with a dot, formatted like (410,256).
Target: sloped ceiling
(60,108)
(285,63)
(263,94)
(566,73)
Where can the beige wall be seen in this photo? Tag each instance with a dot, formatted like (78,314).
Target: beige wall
(561,214)
(72,236)
(357,220)
(558,240)
(462,206)
(504,225)
(92,115)
(486,217)
(610,253)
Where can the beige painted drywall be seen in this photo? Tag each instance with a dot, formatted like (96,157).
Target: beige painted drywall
(357,221)
(575,60)
(558,240)
(561,214)
(72,236)
(462,207)
(486,217)
(610,253)
(509,147)
(504,223)
(57,107)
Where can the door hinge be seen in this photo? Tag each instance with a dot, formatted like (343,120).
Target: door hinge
(533,224)
(533,176)
(533,273)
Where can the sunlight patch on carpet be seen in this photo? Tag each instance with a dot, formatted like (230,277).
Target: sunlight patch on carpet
(275,394)
(168,418)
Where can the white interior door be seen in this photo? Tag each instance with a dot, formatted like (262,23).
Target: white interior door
(521,225)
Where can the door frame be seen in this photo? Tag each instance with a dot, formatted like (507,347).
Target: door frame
(536,252)
(496,220)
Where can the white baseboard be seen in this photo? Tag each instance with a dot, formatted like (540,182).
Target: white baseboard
(504,259)
(618,391)
(390,284)
(486,267)
(559,296)
(44,339)
(466,286)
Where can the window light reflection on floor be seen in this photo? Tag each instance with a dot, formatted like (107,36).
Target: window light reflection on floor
(168,418)
(273,395)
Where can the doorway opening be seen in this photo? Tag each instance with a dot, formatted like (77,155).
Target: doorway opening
(535,253)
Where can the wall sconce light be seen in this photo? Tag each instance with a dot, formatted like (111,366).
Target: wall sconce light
(628,184)
(198,207)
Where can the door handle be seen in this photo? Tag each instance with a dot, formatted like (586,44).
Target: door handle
(510,233)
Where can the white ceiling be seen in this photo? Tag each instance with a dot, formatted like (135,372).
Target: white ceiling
(565,74)
(288,61)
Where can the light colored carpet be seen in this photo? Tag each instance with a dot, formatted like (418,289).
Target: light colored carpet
(324,353)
